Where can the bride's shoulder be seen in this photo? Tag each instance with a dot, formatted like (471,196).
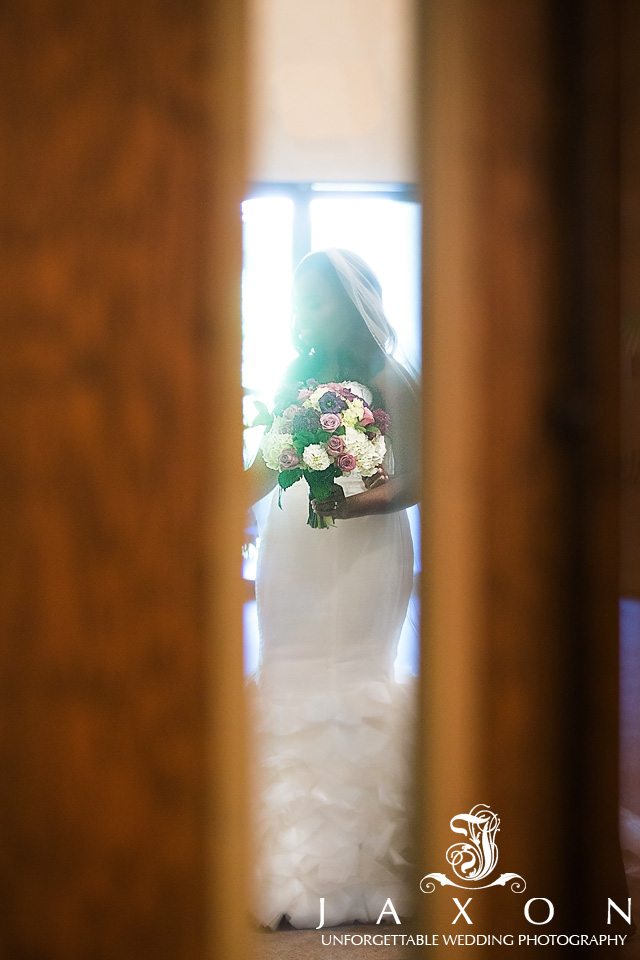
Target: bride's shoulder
(401,401)
(395,387)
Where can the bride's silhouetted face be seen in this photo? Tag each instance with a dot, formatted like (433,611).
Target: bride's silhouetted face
(323,316)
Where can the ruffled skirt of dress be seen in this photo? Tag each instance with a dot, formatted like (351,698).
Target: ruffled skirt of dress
(330,805)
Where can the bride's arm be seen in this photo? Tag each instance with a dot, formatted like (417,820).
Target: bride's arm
(395,494)
(260,480)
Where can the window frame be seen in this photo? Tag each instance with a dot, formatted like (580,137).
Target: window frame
(301,193)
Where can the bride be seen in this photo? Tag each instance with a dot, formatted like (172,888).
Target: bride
(333,725)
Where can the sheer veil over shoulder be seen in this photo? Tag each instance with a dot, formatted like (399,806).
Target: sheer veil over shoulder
(355,276)
(332,722)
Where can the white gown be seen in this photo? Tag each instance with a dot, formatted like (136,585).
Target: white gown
(332,725)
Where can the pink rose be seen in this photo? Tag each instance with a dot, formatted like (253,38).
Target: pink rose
(347,462)
(288,459)
(335,446)
(330,421)
(290,412)
(367,417)
(304,394)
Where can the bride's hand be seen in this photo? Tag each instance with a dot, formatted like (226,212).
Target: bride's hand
(338,506)
(380,476)
(335,506)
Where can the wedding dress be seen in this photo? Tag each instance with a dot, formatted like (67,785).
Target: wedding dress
(332,724)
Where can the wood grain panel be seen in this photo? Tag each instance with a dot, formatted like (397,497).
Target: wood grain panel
(116,144)
(630,259)
(521,438)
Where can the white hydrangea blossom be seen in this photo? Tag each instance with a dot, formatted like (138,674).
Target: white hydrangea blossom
(380,446)
(273,443)
(359,389)
(316,457)
(369,454)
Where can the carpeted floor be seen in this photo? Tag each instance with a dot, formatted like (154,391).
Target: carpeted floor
(287,943)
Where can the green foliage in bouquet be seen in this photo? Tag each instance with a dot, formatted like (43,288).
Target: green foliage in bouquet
(321,487)
(263,418)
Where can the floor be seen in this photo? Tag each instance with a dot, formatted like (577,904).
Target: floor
(290,944)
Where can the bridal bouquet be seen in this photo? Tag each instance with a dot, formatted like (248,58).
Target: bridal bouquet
(319,432)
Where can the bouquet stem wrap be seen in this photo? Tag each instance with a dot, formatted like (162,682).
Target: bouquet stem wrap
(320,488)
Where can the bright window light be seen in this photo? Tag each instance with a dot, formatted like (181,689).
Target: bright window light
(266,291)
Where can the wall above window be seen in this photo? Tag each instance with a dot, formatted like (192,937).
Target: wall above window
(332,90)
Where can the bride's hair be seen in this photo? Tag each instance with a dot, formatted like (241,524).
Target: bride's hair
(345,270)
(321,259)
